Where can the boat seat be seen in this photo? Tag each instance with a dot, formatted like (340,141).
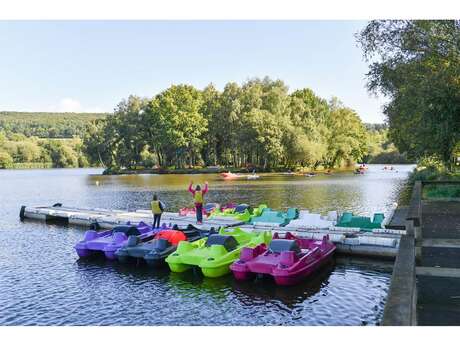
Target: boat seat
(282,245)
(128,230)
(161,244)
(229,242)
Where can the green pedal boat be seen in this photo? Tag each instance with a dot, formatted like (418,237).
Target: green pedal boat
(216,253)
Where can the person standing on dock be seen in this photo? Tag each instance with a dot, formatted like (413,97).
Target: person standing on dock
(198,197)
(157,209)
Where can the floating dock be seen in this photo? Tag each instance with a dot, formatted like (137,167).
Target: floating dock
(107,219)
(382,242)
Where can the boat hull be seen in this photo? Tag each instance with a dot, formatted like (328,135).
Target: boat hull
(297,277)
(215,272)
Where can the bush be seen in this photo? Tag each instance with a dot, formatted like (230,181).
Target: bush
(6,161)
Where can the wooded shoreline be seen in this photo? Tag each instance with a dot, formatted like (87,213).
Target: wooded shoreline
(215,170)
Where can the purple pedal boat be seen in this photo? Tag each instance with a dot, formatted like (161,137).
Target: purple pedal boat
(289,260)
(109,241)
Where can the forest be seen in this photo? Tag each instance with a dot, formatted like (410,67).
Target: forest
(46,125)
(258,124)
(43,140)
(19,151)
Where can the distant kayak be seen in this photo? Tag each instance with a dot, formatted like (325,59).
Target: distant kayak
(252,177)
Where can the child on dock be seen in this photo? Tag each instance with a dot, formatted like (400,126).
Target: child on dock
(157,209)
(198,198)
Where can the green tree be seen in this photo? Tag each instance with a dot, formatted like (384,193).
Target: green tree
(416,63)
(347,140)
(97,145)
(214,137)
(175,115)
(6,161)
(28,151)
(125,131)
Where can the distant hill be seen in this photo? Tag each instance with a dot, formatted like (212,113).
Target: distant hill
(46,125)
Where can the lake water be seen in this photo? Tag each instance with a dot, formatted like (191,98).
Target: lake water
(42,282)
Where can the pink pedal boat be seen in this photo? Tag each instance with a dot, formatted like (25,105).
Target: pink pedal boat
(289,260)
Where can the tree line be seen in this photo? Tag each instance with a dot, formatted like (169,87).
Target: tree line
(256,124)
(416,64)
(46,125)
(19,151)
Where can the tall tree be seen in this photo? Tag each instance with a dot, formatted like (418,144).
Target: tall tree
(176,114)
(416,63)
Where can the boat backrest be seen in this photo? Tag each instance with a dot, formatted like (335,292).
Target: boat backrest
(241,208)
(303,213)
(282,245)
(332,215)
(172,236)
(229,242)
(128,230)
(292,213)
(378,218)
(346,217)
(161,244)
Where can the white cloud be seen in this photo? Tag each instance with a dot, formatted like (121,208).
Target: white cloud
(69,105)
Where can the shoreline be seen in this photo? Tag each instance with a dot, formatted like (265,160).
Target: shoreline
(192,171)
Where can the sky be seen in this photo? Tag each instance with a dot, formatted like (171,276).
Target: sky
(89,66)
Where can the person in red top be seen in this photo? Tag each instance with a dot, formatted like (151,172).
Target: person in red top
(198,198)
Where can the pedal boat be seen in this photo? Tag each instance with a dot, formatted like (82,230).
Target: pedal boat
(214,255)
(289,260)
(108,242)
(155,251)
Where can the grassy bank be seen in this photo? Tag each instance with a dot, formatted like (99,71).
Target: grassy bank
(448,190)
(32,166)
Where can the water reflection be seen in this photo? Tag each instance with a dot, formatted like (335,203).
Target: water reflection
(375,191)
(44,283)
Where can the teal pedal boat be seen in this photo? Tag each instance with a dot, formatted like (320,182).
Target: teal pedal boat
(215,254)
(348,220)
(271,218)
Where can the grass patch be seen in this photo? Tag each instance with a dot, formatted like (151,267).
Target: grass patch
(32,165)
(441,191)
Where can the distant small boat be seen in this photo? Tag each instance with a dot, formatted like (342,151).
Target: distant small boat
(252,177)
(229,175)
(310,175)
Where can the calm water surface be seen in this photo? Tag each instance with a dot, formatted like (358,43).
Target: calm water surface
(42,282)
